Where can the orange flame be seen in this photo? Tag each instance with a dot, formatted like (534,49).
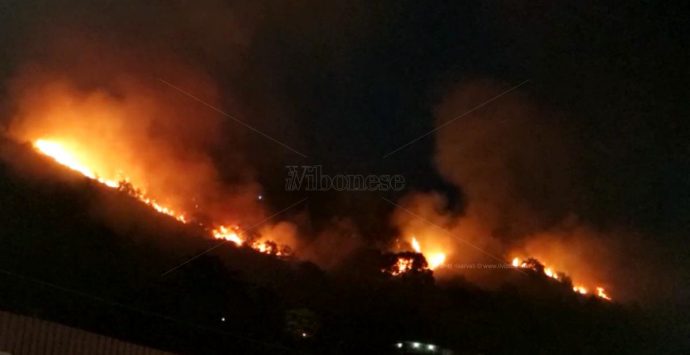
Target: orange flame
(580,290)
(61,153)
(434,260)
(405,264)
(70,158)
(548,271)
(228,234)
(415,245)
(402,265)
(602,293)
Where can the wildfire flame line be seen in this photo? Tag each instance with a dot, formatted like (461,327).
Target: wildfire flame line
(547,271)
(65,157)
(62,155)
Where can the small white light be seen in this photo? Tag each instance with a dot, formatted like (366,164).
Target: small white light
(431,347)
(399,345)
(222,319)
(260,197)
(415,345)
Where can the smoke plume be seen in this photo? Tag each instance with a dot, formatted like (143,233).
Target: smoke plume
(121,98)
(518,165)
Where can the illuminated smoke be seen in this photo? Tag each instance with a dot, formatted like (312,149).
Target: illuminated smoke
(516,164)
(99,103)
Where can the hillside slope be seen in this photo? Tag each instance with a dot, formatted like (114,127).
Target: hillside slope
(94,258)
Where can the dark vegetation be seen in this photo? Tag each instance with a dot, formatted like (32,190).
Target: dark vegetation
(76,253)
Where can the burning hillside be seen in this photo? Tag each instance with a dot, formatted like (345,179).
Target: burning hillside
(539,174)
(395,302)
(68,158)
(92,133)
(536,266)
(419,260)
(72,160)
(154,126)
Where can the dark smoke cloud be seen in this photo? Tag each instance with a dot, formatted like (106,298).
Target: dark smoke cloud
(519,166)
(98,72)
(333,244)
(515,161)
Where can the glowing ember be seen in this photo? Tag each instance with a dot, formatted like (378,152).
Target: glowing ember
(402,266)
(550,273)
(580,290)
(165,210)
(271,248)
(602,293)
(536,266)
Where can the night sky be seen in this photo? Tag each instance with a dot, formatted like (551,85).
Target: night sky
(361,80)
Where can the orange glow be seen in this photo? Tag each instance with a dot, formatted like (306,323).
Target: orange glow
(228,234)
(405,263)
(602,293)
(436,260)
(270,247)
(62,155)
(580,290)
(415,245)
(433,259)
(402,266)
(69,157)
(74,157)
(549,272)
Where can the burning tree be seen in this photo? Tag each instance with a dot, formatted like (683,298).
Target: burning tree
(406,263)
